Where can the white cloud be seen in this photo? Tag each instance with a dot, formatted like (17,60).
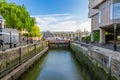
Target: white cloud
(62,22)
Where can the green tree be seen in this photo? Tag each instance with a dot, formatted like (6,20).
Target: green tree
(16,16)
(96,36)
(34,31)
(88,38)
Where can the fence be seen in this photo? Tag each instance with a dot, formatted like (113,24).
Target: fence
(10,59)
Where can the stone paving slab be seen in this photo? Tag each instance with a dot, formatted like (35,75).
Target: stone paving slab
(107,46)
(104,51)
(107,52)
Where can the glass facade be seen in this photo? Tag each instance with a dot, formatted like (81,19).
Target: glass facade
(115,11)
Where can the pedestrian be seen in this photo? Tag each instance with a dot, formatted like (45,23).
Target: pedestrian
(1,44)
(27,40)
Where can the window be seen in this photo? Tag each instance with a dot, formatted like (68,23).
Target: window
(115,11)
(111,11)
(99,16)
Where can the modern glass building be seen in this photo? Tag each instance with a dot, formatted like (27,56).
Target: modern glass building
(105,18)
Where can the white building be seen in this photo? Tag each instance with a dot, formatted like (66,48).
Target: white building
(8,35)
(77,35)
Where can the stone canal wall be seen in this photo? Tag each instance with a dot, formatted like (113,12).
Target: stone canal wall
(19,59)
(96,62)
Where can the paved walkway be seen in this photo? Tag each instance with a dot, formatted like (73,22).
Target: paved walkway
(7,46)
(107,46)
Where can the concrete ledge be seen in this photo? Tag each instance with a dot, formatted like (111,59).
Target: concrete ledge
(19,70)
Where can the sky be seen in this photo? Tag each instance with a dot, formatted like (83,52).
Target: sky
(58,15)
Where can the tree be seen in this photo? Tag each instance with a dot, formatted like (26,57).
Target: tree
(34,31)
(16,16)
(96,36)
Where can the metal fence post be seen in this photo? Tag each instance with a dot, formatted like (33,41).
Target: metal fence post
(10,39)
(20,58)
(35,48)
(110,66)
(6,61)
(42,44)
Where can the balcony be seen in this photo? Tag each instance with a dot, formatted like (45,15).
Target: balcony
(96,3)
(92,12)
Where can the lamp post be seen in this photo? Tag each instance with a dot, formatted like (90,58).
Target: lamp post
(115,26)
(10,39)
(115,45)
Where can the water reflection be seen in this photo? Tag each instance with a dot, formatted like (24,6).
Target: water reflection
(57,65)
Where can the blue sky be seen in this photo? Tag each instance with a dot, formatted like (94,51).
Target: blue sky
(43,7)
(48,9)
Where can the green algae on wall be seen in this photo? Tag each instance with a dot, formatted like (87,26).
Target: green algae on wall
(90,68)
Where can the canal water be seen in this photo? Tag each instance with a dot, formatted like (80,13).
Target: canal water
(55,65)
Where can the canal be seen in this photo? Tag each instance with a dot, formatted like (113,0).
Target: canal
(55,65)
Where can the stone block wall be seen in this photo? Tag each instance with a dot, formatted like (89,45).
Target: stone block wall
(102,58)
(12,58)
